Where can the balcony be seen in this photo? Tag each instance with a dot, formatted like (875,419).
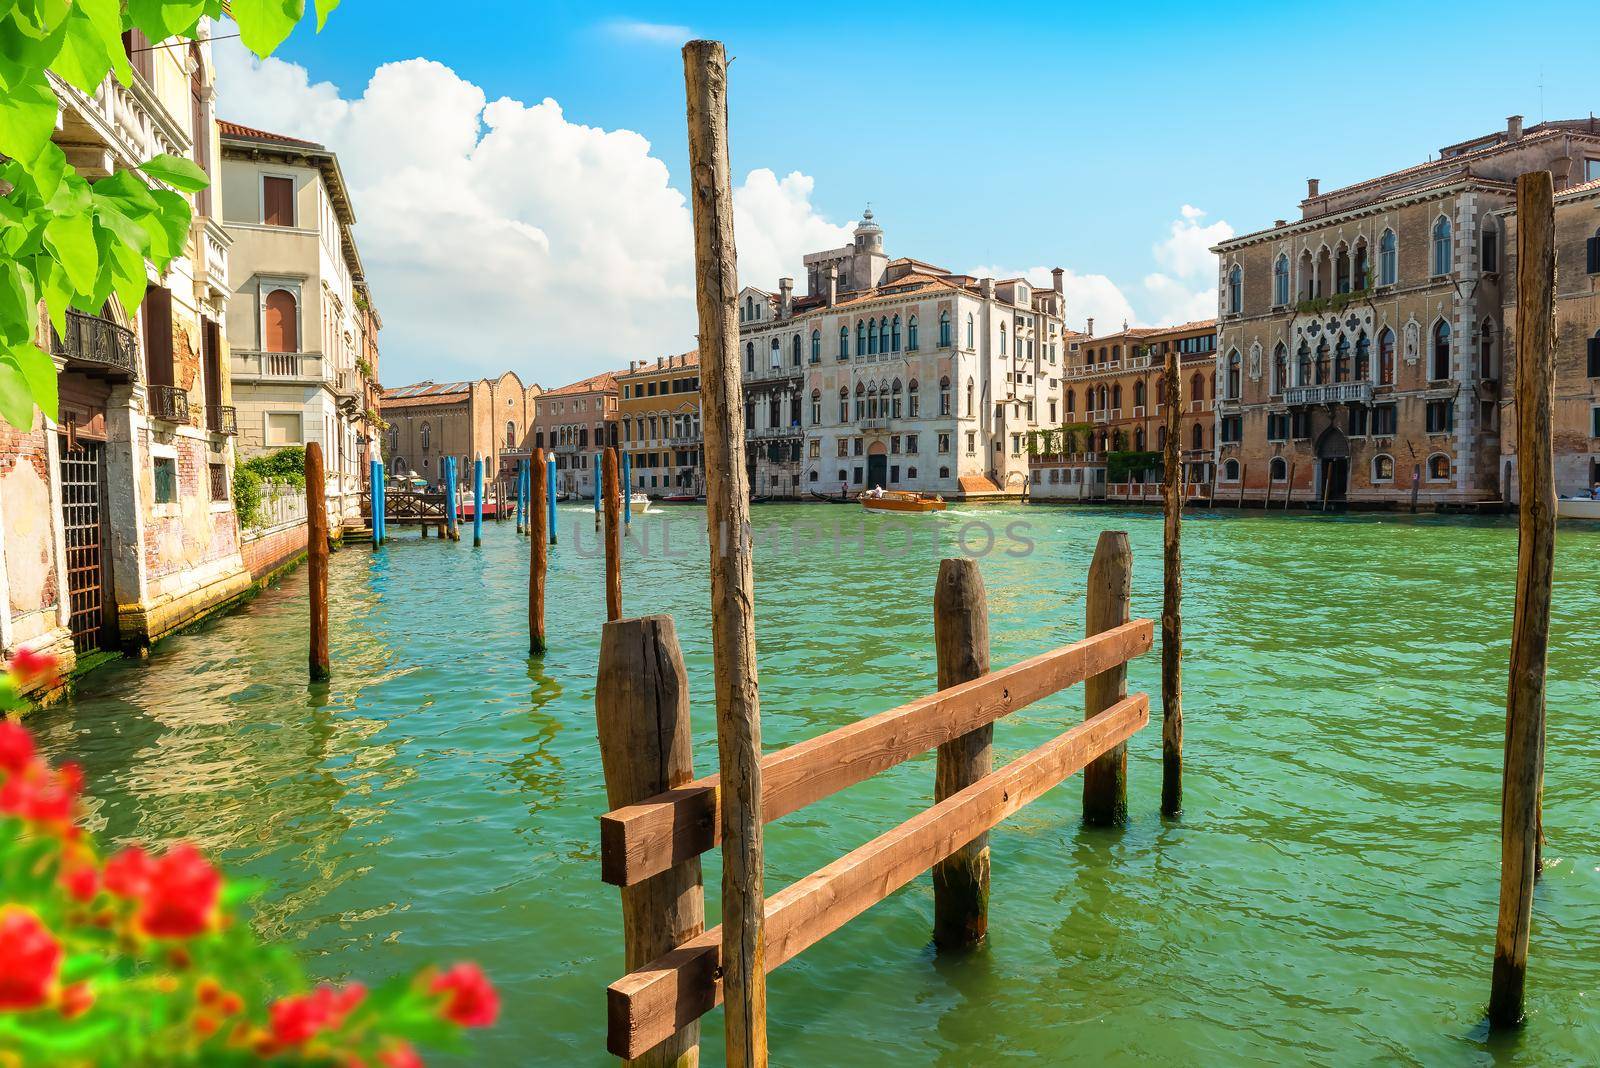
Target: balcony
(222,419)
(875,423)
(1337,393)
(767,432)
(211,243)
(684,441)
(168,403)
(96,344)
(279,366)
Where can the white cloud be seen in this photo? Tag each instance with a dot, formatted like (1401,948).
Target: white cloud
(499,234)
(1186,252)
(648,32)
(1088,296)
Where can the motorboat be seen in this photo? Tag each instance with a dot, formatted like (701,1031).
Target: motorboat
(1577,508)
(901,501)
(639,502)
(683,498)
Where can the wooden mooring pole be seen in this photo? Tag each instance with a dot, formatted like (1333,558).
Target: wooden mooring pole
(317,560)
(1105,780)
(538,559)
(961,640)
(1530,628)
(1172,604)
(477,501)
(733,634)
(641,706)
(613,536)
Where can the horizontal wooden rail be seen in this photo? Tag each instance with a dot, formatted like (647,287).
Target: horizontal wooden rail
(645,839)
(646,1006)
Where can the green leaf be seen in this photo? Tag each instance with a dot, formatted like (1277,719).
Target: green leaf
(52,284)
(263,24)
(16,399)
(160,19)
(324,9)
(71,238)
(180,173)
(48,170)
(128,277)
(171,218)
(93,45)
(27,112)
(111,216)
(32,46)
(40,372)
(18,297)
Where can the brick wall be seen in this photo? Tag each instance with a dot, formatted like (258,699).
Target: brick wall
(272,549)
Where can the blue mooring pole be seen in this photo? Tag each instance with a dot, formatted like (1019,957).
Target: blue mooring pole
(375,502)
(627,491)
(522,493)
(550,494)
(449,476)
(477,501)
(597,491)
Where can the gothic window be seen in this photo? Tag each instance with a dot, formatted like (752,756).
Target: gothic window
(911,334)
(816,346)
(425,436)
(894,335)
(1280,368)
(844,405)
(844,342)
(1443,246)
(1232,383)
(749,356)
(944,330)
(816,406)
(1361,268)
(913,399)
(1439,368)
(894,403)
(1388,259)
(1363,358)
(794,350)
(1072,401)
(883,334)
(970,335)
(1002,339)
(861,338)
(944,396)
(1487,364)
(1280,281)
(1303,369)
(1341,360)
(1236,290)
(972,404)
(1386,357)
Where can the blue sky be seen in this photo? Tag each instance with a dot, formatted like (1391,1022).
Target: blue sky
(1012,141)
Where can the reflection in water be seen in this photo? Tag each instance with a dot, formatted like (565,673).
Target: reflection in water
(1328,895)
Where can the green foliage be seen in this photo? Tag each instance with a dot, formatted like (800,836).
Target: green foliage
(1122,465)
(64,241)
(284,467)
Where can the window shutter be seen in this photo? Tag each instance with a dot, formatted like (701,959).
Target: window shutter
(158,336)
(1594,254)
(277,201)
(1594,356)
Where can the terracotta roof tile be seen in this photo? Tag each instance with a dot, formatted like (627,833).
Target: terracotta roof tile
(599,383)
(234,129)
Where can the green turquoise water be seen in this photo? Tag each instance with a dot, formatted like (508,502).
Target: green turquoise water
(1328,896)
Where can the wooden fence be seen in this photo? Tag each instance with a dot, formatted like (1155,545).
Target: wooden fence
(663,819)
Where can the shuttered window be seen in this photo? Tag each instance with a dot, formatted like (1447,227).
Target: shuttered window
(1594,356)
(277,201)
(282,322)
(1594,253)
(157,316)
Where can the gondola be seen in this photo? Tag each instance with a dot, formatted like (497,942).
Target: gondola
(843,498)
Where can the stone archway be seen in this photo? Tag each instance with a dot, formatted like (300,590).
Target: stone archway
(1333,466)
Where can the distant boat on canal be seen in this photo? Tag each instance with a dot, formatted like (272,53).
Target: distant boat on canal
(1577,508)
(902,501)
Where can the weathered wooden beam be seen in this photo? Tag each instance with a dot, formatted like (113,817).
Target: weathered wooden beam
(733,623)
(1172,600)
(1105,782)
(1530,627)
(638,841)
(641,705)
(650,1003)
(961,643)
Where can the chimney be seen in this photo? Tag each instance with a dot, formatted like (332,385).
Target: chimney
(988,289)
(1514,128)
(833,285)
(1055,277)
(1279,223)
(1090,328)
(1312,187)
(785,297)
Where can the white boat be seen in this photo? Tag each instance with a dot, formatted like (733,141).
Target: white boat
(1577,508)
(639,503)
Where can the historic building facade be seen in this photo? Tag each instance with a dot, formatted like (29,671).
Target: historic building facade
(1113,386)
(658,406)
(574,423)
(117,517)
(897,373)
(298,325)
(491,417)
(1575,425)
(1360,346)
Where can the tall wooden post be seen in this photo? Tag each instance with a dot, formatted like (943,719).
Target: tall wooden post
(961,639)
(477,501)
(733,634)
(550,494)
(641,705)
(1105,780)
(538,560)
(613,536)
(317,559)
(1172,603)
(1530,628)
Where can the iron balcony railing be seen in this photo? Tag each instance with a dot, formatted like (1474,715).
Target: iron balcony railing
(92,340)
(1337,393)
(169,403)
(222,419)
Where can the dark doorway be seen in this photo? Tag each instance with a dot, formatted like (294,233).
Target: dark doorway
(877,471)
(1333,461)
(83,523)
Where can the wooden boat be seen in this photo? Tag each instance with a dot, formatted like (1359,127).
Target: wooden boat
(683,498)
(639,502)
(1577,508)
(843,498)
(903,501)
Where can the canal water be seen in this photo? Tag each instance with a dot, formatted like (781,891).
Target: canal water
(1328,896)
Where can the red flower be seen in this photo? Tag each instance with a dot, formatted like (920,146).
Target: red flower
(400,1055)
(28,666)
(76,1000)
(180,900)
(30,957)
(470,1000)
(16,747)
(40,794)
(128,873)
(81,880)
(298,1018)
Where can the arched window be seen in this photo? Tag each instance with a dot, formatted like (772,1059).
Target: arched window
(1308,276)
(1488,364)
(944,330)
(1341,269)
(794,350)
(1230,470)
(1383,468)
(911,334)
(894,335)
(1438,468)
(1138,440)
(282,322)
(1341,360)
(861,401)
(426,434)
(894,400)
(1443,246)
(944,396)
(1161,437)
(1072,401)
(1280,368)
(944,472)
(511,434)
(749,356)
(816,346)
(883,334)
(844,404)
(972,402)
(1363,358)
(971,336)
(816,406)
(1236,290)
(844,342)
(1278,470)
(872,401)
(1388,259)
(1489,246)
(1197,387)
(1386,357)
(1280,281)
(914,399)
(1116,396)
(1233,383)
(1361,270)
(861,338)
(1303,365)
(1138,394)
(872,338)
(775,360)
(911,472)
(1323,363)
(1439,366)
(1002,339)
